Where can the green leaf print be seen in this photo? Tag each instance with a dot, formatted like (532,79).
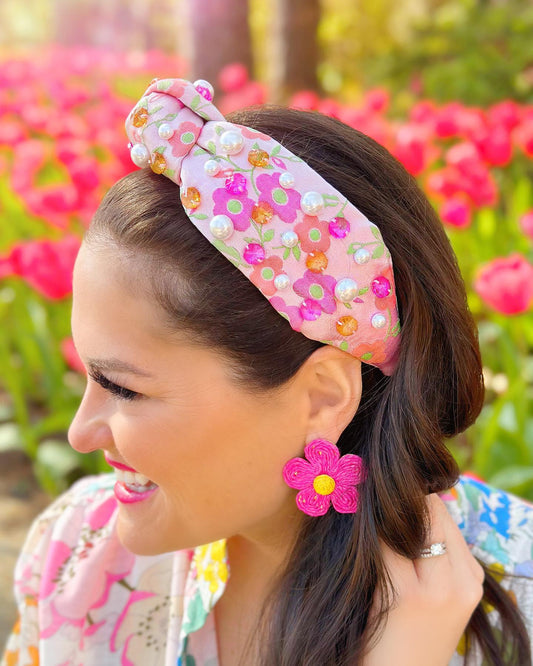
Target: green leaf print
(211,147)
(196,615)
(219,130)
(375,231)
(195,101)
(363,290)
(378,252)
(226,249)
(268,235)
(286,252)
(297,252)
(275,150)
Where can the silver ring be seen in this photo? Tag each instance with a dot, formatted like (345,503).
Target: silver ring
(434,549)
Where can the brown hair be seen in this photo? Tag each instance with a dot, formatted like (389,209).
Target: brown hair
(319,612)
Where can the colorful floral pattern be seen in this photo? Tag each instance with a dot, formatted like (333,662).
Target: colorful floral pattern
(157,610)
(275,207)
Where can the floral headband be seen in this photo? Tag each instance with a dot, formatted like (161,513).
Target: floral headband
(318,260)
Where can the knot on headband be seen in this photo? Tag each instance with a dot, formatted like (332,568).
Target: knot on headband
(318,260)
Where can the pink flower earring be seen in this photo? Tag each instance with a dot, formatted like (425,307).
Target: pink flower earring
(325,477)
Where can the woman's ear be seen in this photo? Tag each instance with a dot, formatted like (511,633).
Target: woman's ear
(332,381)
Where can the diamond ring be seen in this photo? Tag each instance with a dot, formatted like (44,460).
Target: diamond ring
(434,549)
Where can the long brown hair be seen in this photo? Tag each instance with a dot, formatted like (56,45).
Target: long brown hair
(319,611)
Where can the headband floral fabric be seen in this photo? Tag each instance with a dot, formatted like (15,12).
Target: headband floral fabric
(318,260)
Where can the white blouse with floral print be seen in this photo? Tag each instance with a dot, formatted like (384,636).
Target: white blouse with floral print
(84,600)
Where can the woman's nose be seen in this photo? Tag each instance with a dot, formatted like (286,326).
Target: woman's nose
(89,429)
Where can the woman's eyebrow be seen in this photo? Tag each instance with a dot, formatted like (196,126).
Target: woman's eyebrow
(115,365)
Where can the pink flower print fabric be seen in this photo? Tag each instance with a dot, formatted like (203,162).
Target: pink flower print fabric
(255,201)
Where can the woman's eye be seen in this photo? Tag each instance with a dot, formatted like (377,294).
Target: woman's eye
(116,390)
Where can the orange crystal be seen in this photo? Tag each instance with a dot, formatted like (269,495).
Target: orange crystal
(158,163)
(346,325)
(191,198)
(262,212)
(258,158)
(316,262)
(140,117)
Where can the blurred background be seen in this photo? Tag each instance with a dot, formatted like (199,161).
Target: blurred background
(445,85)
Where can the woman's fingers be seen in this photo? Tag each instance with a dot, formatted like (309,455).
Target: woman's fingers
(434,598)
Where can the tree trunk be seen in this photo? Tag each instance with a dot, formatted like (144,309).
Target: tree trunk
(296,54)
(218,34)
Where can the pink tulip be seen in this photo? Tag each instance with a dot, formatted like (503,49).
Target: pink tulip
(456,212)
(46,265)
(71,355)
(377,100)
(233,77)
(526,224)
(307,100)
(506,284)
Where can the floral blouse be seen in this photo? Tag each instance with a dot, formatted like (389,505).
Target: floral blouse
(84,600)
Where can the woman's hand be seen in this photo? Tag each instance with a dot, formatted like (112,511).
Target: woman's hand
(434,600)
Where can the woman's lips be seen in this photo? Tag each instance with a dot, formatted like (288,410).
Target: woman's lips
(118,465)
(126,495)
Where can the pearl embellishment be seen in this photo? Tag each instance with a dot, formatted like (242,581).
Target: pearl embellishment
(289,239)
(312,203)
(139,155)
(211,167)
(286,180)
(165,131)
(346,290)
(362,256)
(281,281)
(231,142)
(221,227)
(379,320)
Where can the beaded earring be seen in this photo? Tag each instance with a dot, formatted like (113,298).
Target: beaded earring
(325,478)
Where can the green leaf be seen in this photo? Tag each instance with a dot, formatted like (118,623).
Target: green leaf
(375,232)
(296,252)
(268,235)
(363,290)
(275,150)
(226,249)
(199,151)
(199,216)
(378,252)
(396,329)
(211,147)
(512,478)
(195,102)
(286,252)
(219,129)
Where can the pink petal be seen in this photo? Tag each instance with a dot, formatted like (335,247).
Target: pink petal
(323,455)
(345,499)
(311,503)
(350,470)
(298,473)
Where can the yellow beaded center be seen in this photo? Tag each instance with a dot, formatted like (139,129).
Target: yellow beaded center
(324,484)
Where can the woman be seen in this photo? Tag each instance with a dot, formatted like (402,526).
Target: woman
(277,439)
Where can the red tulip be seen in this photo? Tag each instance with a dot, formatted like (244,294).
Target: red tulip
(506,284)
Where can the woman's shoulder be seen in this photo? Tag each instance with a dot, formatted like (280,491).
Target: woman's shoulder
(496,524)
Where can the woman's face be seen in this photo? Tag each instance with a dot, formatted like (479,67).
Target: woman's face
(215,450)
